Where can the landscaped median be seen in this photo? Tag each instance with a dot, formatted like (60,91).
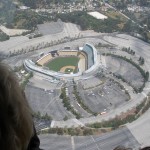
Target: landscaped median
(80,101)
(79,131)
(66,102)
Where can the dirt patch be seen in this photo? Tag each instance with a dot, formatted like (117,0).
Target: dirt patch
(66,67)
(12,32)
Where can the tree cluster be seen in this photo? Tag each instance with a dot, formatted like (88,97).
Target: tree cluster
(128,50)
(80,101)
(133,28)
(66,102)
(7,10)
(3,36)
(141,60)
(80,131)
(88,22)
(28,19)
(26,80)
(114,123)
(39,116)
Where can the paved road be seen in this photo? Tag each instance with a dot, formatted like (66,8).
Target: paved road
(141,129)
(107,141)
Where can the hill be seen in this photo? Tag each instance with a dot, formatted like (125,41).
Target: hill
(7,10)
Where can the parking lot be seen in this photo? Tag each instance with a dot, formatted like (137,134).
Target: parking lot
(74,103)
(51,28)
(46,102)
(104,97)
(120,67)
(106,141)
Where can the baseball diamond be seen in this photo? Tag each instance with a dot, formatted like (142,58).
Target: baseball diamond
(60,62)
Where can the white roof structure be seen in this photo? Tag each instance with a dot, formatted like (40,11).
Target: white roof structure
(24,7)
(97,15)
(80,48)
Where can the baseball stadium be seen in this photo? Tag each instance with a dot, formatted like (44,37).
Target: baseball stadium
(66,62)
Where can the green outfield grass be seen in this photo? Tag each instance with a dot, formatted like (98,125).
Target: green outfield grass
(60,62)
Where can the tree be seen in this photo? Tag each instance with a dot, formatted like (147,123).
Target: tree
(87,131)
(147,75)
(30,3)
(65,118)
(60,131)
(145,36)
(128,26)
(38,115)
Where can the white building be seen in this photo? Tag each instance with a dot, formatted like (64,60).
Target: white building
(98,15)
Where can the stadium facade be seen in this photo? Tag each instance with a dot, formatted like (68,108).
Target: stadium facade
(92,64)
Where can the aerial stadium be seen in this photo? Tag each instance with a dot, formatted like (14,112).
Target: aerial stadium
(66,63)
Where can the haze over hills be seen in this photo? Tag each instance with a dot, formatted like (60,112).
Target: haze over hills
(84,67)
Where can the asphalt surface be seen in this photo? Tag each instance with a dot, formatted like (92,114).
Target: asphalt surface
(103,98)
(46,102)
(141,129)
(120,67)
(51,28)
(106,141)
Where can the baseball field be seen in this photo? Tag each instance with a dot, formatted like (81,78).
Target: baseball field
(64,64)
